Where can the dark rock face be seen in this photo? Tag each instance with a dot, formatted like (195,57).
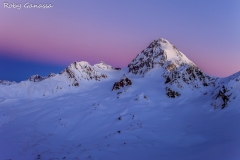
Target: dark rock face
(226,91)
(172,94)
(122,83)
(171,67)
(72,76)
(117,68)
(152,56)
(223,97)
(36,78)
(190,75)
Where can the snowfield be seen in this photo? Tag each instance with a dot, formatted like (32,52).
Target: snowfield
(162,106)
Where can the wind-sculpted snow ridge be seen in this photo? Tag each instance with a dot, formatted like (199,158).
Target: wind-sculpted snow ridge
(103,66)
(4,82)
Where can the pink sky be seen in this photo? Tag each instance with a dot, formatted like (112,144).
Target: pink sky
(116,33)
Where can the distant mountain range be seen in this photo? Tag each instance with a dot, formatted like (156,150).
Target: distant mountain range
(179,73)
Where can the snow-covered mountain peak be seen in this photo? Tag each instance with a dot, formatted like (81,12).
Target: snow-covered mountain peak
(160,53)
(82,70)
(103,66)
(82,64)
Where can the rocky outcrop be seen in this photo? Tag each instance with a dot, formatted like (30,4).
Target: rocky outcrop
(124,81)
(36,78)
(223,97)
(226,91)
(190,75)
(148,59)
(71,75)
(171,93)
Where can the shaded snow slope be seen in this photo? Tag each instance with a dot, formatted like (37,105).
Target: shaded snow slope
(141,124)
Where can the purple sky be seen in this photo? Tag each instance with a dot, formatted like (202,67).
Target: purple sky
(207,32)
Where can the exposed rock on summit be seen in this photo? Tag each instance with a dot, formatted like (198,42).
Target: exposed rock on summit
(157,54)
(82,71)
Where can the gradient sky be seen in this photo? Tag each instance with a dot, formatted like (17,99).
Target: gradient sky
(40,41)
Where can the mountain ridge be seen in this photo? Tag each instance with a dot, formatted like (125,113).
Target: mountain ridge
(177,71)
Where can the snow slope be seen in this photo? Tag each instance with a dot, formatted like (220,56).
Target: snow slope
(149,110)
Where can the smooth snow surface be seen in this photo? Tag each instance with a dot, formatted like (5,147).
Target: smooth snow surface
(56,119)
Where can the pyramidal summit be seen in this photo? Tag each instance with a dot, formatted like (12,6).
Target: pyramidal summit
(161,106)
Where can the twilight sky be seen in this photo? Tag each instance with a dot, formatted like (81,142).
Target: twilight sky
(40,41)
